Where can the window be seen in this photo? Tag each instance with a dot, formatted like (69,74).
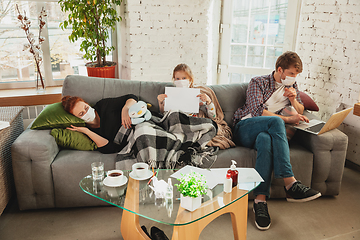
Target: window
(61,57)
(254,34)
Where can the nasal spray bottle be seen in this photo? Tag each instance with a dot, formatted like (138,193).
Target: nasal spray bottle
(234,173)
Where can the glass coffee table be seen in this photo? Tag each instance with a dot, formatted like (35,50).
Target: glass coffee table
(137,199)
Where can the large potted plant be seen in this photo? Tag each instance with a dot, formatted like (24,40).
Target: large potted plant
(91,21)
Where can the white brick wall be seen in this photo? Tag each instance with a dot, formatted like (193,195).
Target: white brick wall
(157,35)
(329,44)
(162,34)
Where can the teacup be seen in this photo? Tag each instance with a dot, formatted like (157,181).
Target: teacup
(140,169)
(115,176)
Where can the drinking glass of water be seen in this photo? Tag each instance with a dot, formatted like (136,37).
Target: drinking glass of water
(97,170)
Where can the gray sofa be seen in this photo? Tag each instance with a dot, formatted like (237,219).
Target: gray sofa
(47,176)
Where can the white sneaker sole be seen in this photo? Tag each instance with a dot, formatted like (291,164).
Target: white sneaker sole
(261,228)
(304,199)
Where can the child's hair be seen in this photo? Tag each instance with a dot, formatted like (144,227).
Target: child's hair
(187,70)
(69,102)
(289,59)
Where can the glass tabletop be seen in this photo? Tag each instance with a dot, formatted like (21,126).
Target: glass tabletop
(137,197)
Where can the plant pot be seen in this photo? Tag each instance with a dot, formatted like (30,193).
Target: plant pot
(189,203)
(104,72)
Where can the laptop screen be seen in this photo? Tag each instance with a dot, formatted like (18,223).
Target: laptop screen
(316,128)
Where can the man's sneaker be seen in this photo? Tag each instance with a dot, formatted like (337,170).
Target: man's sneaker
(262,217)
(301,193)
(158,234)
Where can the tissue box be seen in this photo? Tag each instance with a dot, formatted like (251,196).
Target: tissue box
(357,109)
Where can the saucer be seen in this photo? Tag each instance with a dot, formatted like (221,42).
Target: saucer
(108,183)
(148,175)
(115,191)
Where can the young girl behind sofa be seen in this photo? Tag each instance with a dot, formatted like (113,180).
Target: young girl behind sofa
(183,77)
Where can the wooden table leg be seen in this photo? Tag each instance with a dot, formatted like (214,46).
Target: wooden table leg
(130,226)
(237,210)
(239,218)
(131,230)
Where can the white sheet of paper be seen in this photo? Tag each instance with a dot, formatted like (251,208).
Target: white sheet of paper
(247,186)
(246,175)
(216,176)
(4,124)
(183,99)
(210,181)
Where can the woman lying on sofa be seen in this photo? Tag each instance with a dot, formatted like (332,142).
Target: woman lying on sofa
(103,121)
(157,142)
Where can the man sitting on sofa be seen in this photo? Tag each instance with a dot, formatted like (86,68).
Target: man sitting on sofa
(259,124)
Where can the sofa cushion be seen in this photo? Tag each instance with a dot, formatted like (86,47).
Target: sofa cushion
(245,157)
(68,168)
(91,89)
(73,140)
(230,97)
(309,104)
(150,90)
(54,116)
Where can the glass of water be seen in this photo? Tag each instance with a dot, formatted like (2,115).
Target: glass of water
(97,170)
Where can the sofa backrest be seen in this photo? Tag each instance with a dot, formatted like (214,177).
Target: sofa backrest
(91,89)
(231,97)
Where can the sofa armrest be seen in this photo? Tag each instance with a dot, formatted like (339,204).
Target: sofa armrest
(32,155)
(329,151)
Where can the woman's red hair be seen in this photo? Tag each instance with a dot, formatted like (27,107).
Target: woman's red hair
(69,102)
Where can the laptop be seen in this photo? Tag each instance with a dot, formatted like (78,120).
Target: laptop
(318,127)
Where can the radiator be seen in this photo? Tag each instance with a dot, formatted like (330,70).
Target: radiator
(30,113)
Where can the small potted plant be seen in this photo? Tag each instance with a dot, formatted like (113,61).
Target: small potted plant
(91,21)
(191,187)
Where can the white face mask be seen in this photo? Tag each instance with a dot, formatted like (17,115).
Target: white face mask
(185,83)
(89,116)
(288,81)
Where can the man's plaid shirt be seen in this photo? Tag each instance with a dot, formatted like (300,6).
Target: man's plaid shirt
(258,92)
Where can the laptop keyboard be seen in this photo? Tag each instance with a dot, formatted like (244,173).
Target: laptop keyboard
(316,128)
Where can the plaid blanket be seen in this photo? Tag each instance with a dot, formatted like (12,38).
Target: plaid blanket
(161,142)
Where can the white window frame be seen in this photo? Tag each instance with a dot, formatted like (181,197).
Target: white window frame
(224,67)
(45,47)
